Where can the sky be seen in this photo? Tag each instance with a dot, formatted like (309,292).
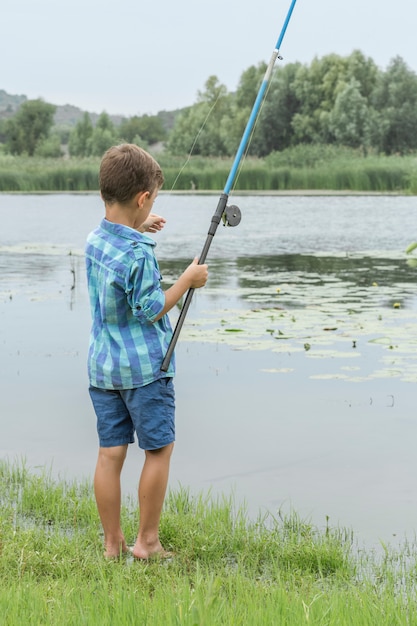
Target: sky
(136,57)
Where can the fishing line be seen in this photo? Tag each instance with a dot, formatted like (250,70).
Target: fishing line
(229,214)
(210,111)
(200,130)
(195,141)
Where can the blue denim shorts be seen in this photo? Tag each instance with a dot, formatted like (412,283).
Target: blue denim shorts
(149,411)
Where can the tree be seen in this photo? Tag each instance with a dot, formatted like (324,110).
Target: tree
(364,70)
(186,130)
(101,140)
(395,98)
(104,122)
(249,84)
(348,119)
(29,127)
(198,128)
(103,136)
(87,140)
(317,87)
(2,131)
(148,127)
(234,122)
(78,143)
(274,129)
(50,147)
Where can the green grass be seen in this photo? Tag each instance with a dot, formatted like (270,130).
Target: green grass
(309,167)
(227,569)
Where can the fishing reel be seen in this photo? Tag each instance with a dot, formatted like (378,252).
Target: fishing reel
(231,215)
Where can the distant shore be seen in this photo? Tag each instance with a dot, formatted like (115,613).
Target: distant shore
(237,192)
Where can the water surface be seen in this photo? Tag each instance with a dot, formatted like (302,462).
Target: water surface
(296,364)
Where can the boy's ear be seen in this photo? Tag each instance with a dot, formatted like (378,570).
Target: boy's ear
(141,198)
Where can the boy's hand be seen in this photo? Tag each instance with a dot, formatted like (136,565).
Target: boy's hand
(197,274)
(152,224)
(194,276)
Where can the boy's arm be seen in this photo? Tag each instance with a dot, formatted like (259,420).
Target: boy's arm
(193,277)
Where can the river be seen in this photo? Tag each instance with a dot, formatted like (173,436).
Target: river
(297,363)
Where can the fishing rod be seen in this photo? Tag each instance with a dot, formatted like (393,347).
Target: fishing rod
(230,215)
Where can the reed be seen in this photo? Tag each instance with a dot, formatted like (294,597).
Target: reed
(341,168)
(300,168)
(227,569)
(28,175)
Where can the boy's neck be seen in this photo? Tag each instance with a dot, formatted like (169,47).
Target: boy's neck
(125,215)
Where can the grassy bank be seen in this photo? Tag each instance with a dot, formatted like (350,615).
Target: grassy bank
(227,570)
(299,168)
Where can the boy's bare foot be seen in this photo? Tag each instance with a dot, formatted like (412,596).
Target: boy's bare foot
(116,550)
(148,551)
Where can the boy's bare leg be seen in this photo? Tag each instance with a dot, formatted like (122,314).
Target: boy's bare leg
(108,497)
(152,488)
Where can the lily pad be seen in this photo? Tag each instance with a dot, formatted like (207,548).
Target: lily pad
(411,247)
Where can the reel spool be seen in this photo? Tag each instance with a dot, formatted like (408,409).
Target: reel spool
(231,215)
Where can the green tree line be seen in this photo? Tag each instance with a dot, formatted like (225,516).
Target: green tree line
(347,101)
(31,131)
(342,101)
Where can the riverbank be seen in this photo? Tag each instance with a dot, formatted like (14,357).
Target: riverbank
(226,570)
(284,193)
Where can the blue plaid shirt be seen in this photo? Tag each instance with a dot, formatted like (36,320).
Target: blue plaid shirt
(126,346)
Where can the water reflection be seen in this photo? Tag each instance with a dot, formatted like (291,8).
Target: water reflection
(356,276)
(355,269)
(300,278)
(43,277)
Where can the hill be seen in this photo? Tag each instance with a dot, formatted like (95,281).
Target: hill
(65,115)
(68,115)
(9,104)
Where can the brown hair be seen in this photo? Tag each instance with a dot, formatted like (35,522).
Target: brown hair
(126,170)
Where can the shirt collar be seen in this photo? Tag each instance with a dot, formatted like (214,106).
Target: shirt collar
(121,230)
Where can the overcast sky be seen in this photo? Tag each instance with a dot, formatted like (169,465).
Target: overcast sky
(142,56)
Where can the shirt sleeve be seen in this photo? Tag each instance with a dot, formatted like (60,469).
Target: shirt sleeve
(145,295)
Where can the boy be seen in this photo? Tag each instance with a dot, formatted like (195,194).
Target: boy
(129,338)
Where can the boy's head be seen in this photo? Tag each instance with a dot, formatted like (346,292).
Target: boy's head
(127,170)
